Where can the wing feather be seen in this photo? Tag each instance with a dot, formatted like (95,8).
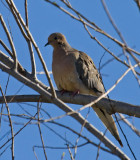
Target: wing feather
(89,74)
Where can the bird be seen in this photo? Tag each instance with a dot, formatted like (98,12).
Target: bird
(75,71)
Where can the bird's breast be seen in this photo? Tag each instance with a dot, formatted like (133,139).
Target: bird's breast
(64,73)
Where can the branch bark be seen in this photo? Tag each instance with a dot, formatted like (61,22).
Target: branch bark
(120,107)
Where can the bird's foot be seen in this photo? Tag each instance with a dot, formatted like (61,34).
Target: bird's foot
(70,93)
(75,93)
(63,91)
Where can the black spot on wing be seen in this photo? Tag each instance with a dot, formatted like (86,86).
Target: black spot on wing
(103,112)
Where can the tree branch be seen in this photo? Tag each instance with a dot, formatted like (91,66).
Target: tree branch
(69,111)
(120,107)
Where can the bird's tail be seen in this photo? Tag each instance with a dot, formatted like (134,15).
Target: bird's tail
(108,122)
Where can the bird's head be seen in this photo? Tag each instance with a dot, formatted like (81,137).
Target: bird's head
(56,39)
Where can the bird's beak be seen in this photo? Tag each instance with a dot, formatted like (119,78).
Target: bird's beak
(47,44)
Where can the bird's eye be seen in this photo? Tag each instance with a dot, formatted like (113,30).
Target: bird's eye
(55,38)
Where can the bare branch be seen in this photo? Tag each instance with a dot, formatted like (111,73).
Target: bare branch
(109,90)
(134,129)
(90,24)
(120,107)
(118,32)
(77,116)
(99,146)
(9,63)
(38,112)
(71,156)
(116,57)
(30,45)
(75,149)
(10,122)
(13,7)
(17,132)
(6,48)
(10,41)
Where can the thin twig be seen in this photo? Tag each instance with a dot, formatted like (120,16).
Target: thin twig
(26,13)
(38,112)
(10,123)
(82,127)
(6,48)
(5,150)
(109,90)
(13,7)
(61,125)
(133,70)
(94,38)
(35,153)
(99,146)
(30,44)
(4,98)
(9,63)
(109,61)
(112,107)
(10,41)
(79,14)
(18,132)
(90,24)
(80,135)
(71,156)
(134,129)
(62,156)
(56,133)
(125,47)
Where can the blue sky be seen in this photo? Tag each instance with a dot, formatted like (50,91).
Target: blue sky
(45,19)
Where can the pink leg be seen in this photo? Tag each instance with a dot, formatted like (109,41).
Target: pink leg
(75,93)
(63,91)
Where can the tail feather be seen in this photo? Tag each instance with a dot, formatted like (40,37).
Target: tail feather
(108,122)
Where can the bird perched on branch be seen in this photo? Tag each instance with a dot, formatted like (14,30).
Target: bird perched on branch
(75,71)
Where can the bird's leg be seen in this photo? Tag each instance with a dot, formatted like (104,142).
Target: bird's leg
(62,91)
(75,93)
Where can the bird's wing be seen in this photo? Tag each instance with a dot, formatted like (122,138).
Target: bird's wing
(90,77)
(89,74)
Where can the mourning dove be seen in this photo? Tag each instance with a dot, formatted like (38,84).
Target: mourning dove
(75,71)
